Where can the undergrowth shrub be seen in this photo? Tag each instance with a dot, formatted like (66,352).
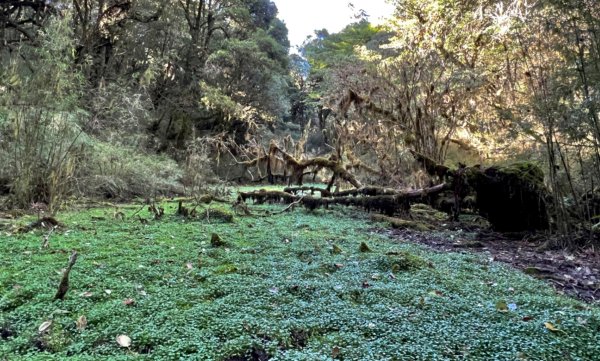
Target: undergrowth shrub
(197,166)
(122,173)
(40,118)
(52,149)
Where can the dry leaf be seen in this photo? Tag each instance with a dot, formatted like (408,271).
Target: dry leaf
(335,352)
(81,323)
(87,294)
(551,327)
(129,302)
(108,292)
(123,340)
(189,266)
(44,326)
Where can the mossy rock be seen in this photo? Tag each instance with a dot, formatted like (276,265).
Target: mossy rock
(216,241)
(215,214)
(513,198)
(335,249)
(401,261)
(424,212)
(400,223)
(364,247)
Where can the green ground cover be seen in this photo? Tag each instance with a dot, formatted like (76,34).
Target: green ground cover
(293,286)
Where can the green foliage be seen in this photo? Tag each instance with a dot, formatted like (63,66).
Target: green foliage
(327,50)
(123,173)
(246,65)
(275,287)
(41,119)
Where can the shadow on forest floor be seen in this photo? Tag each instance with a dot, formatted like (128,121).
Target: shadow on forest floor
(576,274)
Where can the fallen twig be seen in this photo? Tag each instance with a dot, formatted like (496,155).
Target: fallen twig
(63,287)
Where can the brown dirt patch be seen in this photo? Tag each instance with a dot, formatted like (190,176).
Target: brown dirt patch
(575,273)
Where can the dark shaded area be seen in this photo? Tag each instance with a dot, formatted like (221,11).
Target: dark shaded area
(512,198)
(6,332)
(299,338)
(256,354)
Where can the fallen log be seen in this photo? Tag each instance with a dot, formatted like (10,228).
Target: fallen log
(367,191)
(388,204)
(264,196)
(295,190)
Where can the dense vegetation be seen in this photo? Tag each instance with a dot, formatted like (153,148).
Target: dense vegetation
(457,122)
(298,287)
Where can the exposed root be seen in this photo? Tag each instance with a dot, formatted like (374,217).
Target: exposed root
(292,205)
(157,211)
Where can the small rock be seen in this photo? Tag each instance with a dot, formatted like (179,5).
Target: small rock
(364,247)
(216,241)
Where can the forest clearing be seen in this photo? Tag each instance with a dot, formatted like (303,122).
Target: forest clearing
(292,286)
(253,180)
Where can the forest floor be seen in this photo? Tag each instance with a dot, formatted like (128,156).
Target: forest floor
(572,272)
(290,286)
